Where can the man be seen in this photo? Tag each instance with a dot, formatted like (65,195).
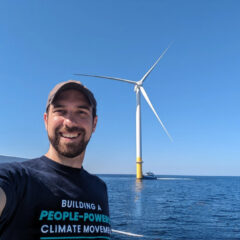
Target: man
(53,197)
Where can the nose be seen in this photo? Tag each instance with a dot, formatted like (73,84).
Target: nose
(70,121)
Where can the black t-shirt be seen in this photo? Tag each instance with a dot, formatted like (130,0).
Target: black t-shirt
(47,200)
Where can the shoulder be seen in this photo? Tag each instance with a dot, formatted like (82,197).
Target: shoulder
(10,168)
(14,169)
(94,179)
(34,163)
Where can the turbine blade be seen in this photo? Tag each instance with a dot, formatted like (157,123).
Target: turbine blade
(106,77)
(151,106)
(153,66)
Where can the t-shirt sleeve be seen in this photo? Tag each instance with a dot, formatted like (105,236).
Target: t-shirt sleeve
(10,182)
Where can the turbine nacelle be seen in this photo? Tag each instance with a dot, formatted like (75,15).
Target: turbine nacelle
(139,83)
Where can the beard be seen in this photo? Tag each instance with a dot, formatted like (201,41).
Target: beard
(69,150)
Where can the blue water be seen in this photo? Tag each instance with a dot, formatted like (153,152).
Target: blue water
(175,207)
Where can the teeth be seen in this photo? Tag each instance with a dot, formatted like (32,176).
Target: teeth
(70,135)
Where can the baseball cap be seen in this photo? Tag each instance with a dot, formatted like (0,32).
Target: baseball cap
(72,84)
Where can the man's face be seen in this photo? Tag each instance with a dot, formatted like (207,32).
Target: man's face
(69,123)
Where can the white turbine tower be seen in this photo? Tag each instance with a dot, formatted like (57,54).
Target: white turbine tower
(138,88)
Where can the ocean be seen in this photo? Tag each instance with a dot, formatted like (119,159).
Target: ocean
(174,207)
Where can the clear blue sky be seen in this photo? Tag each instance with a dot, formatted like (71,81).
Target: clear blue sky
(194,88)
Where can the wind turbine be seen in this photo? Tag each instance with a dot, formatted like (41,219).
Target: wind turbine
(138,87)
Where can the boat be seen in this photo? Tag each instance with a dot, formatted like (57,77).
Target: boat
(149,176)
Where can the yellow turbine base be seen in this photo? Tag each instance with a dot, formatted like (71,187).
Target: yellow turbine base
(139,168)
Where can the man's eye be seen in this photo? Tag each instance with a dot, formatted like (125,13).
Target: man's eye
(59,111)
(81,112)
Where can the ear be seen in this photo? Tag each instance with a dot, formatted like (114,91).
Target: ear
(45,117)
(95,123)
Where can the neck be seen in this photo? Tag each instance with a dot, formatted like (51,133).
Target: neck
(75,162)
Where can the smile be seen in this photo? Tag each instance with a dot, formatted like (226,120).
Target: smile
(70,135)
